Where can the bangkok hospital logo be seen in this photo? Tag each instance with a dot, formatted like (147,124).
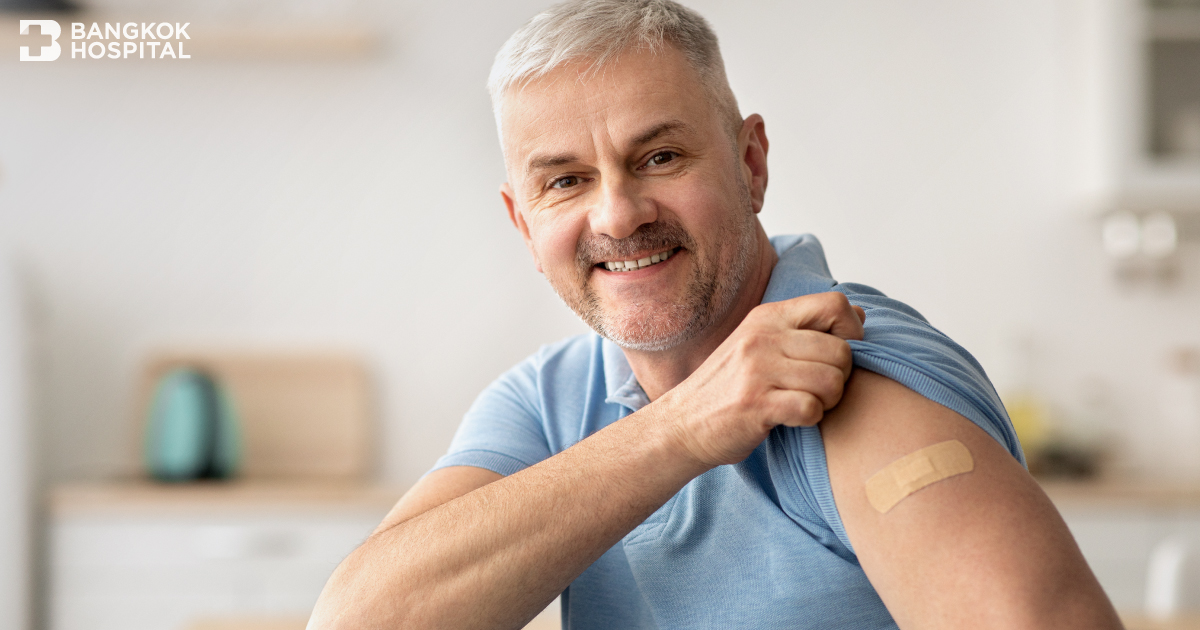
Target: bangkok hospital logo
(112,40)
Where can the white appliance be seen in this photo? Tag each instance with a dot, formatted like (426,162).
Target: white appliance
(15,513)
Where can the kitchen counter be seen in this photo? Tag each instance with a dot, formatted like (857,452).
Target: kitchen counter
(253,554)
(141,496)
(1118,524)
(1148,494)
(1135,622)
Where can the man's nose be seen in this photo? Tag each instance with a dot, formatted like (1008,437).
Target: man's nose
(621,209)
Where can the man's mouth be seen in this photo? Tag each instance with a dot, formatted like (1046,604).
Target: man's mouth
(634,265)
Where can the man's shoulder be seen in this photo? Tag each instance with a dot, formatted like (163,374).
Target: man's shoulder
(572,353)
(523,416)
(898,342)
(562,364)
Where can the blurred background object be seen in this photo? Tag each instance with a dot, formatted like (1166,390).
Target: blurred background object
(16,514)
(36,6)
(253,550)
(1180,408)
(251,623)
(302,414)
(192,430)
(1173,578)
(147,556)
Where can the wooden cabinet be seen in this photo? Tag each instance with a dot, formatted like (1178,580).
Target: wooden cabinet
(1119,524)
(145,556)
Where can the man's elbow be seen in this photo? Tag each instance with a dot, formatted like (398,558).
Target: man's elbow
(354,598)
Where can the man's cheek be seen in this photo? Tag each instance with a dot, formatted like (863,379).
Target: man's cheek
(561,253)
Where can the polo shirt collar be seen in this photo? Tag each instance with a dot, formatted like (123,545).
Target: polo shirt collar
(621,385)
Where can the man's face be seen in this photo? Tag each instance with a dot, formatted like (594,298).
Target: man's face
(632,167)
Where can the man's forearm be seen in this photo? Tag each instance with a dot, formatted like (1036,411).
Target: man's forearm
(494,557)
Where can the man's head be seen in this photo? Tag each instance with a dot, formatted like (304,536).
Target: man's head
(597,32)
(623,143)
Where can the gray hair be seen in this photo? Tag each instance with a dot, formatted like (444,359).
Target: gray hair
(599,31)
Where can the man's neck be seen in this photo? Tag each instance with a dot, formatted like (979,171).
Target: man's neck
(659,372)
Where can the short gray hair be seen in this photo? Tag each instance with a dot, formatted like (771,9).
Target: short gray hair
(599,31)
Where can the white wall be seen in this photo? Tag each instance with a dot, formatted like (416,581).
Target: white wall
(355,204)
(15,504)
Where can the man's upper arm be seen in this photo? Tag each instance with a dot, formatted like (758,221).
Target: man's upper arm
(980,549)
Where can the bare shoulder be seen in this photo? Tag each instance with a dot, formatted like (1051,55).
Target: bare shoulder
(981,549)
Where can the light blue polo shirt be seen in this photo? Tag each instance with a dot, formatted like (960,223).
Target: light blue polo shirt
(757,544)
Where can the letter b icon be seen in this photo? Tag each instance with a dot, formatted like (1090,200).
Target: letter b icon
(48,53)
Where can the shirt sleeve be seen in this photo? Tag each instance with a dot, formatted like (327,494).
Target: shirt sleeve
(502,431)
(898,343)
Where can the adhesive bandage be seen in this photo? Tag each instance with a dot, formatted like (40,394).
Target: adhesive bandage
(916,470)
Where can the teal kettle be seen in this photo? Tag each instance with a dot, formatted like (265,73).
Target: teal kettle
(192,430)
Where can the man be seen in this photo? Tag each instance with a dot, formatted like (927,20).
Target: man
(669,472)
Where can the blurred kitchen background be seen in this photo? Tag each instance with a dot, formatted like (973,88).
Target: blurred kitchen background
(308,207)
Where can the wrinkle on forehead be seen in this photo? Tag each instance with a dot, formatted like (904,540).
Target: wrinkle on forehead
(558,110)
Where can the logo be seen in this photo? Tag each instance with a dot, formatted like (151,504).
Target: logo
(113,40)
(48,53)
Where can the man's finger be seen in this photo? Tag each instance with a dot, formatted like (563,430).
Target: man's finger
(796,409)
(826,312)
(810,345)
(822,380)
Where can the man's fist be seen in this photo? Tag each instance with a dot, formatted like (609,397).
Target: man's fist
(786,363)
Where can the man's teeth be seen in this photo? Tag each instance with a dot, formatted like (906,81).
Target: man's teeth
(633,265)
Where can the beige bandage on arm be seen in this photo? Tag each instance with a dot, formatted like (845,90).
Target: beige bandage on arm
(916,470)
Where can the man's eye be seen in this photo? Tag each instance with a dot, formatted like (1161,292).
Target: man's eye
(662,158)
(565,182)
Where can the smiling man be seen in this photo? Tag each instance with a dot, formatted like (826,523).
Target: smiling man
(744,442)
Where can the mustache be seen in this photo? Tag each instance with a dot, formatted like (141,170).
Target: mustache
(596,248)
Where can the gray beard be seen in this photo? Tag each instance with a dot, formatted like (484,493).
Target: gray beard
(711,291)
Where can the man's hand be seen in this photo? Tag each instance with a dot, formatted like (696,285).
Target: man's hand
(785,364)
(468,549)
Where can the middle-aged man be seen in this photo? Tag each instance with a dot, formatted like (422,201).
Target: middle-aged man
(669,471)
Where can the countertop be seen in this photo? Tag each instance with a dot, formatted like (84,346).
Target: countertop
(240,495)
(1150,494)
(1136,622)
(208,497)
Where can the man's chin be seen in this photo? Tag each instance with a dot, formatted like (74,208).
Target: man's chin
(646,336)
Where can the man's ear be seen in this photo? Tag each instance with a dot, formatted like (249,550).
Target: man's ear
(518,221)
(752,152)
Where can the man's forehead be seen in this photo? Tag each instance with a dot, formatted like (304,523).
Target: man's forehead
(628,101)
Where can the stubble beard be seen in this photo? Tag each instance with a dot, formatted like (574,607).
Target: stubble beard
(710,294)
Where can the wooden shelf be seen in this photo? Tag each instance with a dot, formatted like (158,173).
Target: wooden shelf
(1131,493)
(219,40)
(1142,622)
(302,414)
(144,496)
(251,623)
(296,42)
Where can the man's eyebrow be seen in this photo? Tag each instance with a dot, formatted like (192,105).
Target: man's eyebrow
(538,162)
(549,161)
(660,129)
